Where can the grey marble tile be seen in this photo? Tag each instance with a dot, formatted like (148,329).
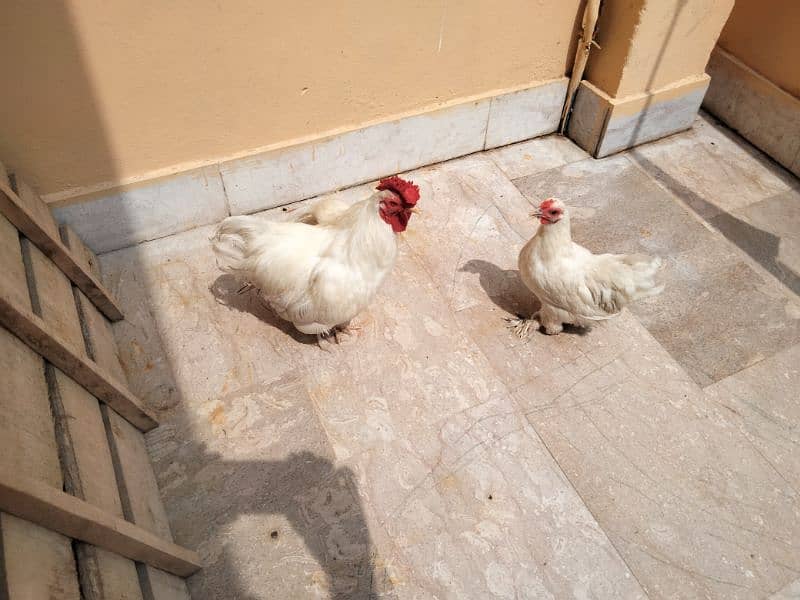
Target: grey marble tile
(149,211)
(710,169)
(290,174)
(693,507)
(534,156)
(434,455)
(526,113)
(761,402)
(790,592)
(769,232)
(717,314)
(653,122)
(755,107)
(388,447)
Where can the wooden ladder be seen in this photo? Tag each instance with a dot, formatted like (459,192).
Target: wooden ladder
(80,511)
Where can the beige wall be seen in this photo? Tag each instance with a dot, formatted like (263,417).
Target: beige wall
(647,45)
(109,92)
(765,35)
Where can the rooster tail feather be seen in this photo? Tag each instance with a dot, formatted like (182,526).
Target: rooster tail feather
(230,242)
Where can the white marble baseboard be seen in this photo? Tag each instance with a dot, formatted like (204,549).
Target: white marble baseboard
(760,111)
(602,125)
(165,206)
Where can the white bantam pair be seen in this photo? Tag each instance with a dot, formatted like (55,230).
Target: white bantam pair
(322,269)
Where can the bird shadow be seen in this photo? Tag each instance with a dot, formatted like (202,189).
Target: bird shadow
(226,289)
(505,288)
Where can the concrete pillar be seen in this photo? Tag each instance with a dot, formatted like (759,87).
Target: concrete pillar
(647,78)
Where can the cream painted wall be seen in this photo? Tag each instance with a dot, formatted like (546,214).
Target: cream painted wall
(648,45)
(765,35)
(110,92)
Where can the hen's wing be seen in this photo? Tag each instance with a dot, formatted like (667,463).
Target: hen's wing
(324,212)
(605,285)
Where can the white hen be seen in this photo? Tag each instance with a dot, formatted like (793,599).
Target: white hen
(574,285)
(323,269)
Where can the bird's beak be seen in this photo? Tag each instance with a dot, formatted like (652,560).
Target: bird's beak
(415,211)
(537,214)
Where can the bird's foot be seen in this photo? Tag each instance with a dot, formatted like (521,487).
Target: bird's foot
(347,328)
(246,287)
(522,327)
(553,329)
(326,336)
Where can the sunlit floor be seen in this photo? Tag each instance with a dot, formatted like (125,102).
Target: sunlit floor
(434,455)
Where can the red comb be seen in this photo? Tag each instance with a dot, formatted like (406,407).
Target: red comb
(547,204)
(405,189)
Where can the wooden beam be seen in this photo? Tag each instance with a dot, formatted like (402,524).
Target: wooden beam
(32,330)
(58,511)
(28,216)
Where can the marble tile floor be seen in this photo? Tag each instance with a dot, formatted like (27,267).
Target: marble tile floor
(433,455)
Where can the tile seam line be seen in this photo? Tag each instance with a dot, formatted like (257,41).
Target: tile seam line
(512,398)
(486,126)
(225,200)
(527,420)
(349,186)
(734,249)
(583,501)
(549,169)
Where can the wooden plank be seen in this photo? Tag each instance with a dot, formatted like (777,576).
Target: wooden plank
(32,330)
(80,431)
(51,295)
(141,500)
(26,427)
(95,480)
(38,209)
(143,504)
(89,475)
(100,342)
(104,574)
(38,563)
(13,283)
(28,215)
(58,511)
(80,251)
(159,585)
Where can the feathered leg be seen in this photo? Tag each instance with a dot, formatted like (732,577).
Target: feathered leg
(521,326)
(553,319)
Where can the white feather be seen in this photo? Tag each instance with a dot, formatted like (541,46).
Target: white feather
(316,276)
(576,286)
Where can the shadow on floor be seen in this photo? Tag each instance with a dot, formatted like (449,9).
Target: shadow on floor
(319,501)
(762,246)
(226,290)
(505,288)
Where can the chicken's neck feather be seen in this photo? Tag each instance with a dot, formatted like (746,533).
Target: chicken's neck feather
(365,235)
(553,238)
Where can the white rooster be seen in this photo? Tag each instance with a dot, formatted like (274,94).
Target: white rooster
(321,270)
(574,285)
